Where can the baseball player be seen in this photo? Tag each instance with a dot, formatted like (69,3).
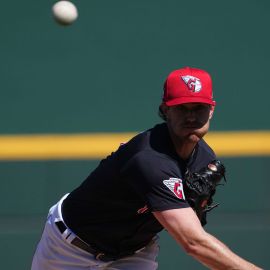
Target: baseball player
(164,177)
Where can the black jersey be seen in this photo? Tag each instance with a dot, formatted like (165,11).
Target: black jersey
(112,209)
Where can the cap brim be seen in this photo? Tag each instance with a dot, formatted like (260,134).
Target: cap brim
(184,100)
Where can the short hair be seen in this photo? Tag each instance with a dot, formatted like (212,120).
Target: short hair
(161,114)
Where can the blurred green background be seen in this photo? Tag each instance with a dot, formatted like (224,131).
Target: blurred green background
(105,74)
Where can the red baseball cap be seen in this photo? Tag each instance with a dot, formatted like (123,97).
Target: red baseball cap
(187,85)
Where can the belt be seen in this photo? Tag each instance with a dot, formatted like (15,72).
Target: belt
(84,246)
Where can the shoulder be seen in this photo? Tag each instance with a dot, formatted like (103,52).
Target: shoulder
(143,139)
(149,161)
(149,146)
(154,158)
(206,149)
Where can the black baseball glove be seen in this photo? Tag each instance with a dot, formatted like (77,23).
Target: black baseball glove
(200,187)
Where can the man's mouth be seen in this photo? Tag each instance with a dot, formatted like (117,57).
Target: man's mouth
(192,126)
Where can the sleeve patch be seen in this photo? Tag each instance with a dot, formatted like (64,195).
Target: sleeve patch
(175,185)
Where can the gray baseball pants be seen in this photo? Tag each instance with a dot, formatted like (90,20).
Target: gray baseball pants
(55,252)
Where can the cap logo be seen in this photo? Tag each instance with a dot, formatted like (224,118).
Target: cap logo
(194,84)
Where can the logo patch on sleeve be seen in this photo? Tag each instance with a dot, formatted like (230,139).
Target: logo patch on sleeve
(175,185)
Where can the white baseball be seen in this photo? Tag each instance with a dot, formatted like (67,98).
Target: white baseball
(65,12)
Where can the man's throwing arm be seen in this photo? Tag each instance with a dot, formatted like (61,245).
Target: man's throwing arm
(185,227)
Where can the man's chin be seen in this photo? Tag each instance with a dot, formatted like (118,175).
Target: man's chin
(196,135)
(194,138)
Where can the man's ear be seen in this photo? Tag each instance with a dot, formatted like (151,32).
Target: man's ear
(211,112)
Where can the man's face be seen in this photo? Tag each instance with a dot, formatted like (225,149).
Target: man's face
(190,121)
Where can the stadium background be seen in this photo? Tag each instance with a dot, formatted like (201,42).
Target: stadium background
(104,74)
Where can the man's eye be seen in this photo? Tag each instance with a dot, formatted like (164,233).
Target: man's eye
(201,108)
(182,109)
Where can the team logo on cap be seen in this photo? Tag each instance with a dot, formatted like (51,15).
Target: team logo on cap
(194,84)
(175,185)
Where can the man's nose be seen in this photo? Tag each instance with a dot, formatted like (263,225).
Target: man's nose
(191,115)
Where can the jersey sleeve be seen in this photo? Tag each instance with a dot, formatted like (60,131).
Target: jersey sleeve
(157,180)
